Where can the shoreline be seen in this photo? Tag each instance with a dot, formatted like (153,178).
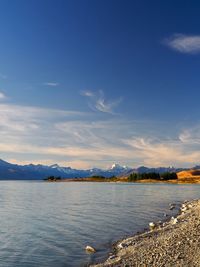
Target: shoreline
(174,242)
(86,180)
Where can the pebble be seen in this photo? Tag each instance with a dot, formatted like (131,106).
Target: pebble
(90,249)
(152,225)
(112,257)
(120,246)
(172,207)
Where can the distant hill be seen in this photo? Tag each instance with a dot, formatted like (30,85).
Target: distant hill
(9,171)
(143,169)
(192,175)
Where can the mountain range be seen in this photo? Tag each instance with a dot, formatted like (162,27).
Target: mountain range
(9,171)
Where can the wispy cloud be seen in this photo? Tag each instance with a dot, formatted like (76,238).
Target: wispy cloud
(18,120)
(161,152)
(52,84)
(87,93)
(189,44)
(98,101)
(79,139)
(190,136)
(38,133)
(2,96)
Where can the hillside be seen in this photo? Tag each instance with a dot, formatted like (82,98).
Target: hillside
(9,171)
(191,176)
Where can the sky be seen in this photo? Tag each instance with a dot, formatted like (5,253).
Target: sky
(89,83)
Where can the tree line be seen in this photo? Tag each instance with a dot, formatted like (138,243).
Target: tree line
(152,176)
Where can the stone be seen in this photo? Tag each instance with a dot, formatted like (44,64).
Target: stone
(152,225)
(183,209)
(90,249)
(120,246)
(174,220)
(112,257)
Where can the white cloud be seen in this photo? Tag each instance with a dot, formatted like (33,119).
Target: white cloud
(24,119)
(52,84)
(51,135)
(164,152)
(189,44)
(2,96)
(87,93)
(38,133)
(190,136)
(98,102)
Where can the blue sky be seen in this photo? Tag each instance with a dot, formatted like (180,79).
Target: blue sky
(90,83)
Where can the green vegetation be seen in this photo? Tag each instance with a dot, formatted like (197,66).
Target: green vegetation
(169,176)
(52,178)
(103,178)
(98,177)
(133,177)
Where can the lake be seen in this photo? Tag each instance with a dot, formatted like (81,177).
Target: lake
(49,224)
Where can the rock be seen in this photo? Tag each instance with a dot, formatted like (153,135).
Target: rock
(172,206)
(173,220)
(90,249)
(183,209)
(112,257)
(120,246)
(152,225)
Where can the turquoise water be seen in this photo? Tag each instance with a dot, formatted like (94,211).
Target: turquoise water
(49,224)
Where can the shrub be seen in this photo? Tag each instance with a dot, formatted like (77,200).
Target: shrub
(133,177)
(169,176)
(98,177)
(152,175)
(52,178)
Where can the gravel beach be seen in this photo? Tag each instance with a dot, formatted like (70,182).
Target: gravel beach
(172,243)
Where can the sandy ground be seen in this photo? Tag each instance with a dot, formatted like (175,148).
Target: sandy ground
(173,243)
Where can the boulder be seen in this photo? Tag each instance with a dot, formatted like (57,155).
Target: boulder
(90,249)
(152,225)
(173,220)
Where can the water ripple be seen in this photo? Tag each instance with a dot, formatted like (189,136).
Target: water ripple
(49,224)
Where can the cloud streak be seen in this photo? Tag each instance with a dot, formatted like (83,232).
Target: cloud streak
(175,151)
(52,84)
(71,138)
(188,44)
(98,102)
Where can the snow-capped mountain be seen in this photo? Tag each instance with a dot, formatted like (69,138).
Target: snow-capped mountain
(119,168)
(39,172)
(31,171)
